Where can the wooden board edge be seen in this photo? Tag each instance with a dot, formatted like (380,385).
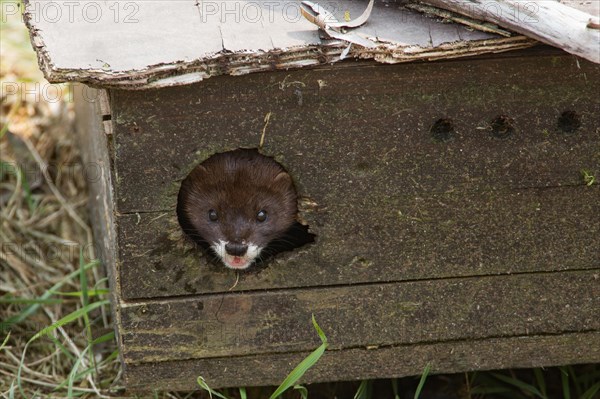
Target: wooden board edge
(92,115)
(546,21)
(363,363)
(158,76)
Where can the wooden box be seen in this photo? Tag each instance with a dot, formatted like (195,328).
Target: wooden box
(467,250)
(455,215)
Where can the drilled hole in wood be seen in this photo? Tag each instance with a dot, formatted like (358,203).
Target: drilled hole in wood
(241,207)
(503,126)
(442,129)
(569,122)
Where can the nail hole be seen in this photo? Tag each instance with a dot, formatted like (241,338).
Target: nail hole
(503,126)
(442,129)
(569,122)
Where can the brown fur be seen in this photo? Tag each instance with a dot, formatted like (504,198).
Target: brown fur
(237,185)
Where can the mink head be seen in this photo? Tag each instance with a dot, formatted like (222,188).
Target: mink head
(236,203)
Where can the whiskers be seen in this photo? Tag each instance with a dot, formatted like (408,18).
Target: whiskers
(294,237)
(191,235)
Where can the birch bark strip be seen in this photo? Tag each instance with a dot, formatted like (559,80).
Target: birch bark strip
(548,21)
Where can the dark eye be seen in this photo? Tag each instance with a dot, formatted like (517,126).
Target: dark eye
(212,215)
(261,216)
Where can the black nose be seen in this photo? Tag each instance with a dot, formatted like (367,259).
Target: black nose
(235,249)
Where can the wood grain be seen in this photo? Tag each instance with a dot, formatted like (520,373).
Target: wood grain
(395,238)
(366,128)
(237,38)
(389,201)
(548,21)
(467,250)
(361,315)
(362,363)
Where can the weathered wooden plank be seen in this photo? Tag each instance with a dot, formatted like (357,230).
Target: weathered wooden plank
(361,315)
(91,110)
(361,363)
(589,7)
(319,121)
(92,139)
(429,203)
(68,47)
(398,236)
(238,37)
(548,21)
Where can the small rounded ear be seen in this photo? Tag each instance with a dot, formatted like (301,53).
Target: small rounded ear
(198,171)
(195,179)
(283,179)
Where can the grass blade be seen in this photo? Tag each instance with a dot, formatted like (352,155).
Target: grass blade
(422,380)
(11,391)
(74,371)
(591,393)
(304,365)
(109,336)
(564,377)
(576,381)
(540,381)
(519,384)
(26,301)
(363,390)
(79,294)
(210,391)
(243,394)
(34,307)
(5,341)
(68,319)
(14,169)
(302,391)
(106,337)
(85,299)
(83,281)
(62,348)
(319,331)
(484,384)
(395,388)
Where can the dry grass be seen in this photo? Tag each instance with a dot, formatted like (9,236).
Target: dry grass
(43,229)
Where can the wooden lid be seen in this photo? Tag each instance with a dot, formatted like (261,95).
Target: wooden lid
(148,44)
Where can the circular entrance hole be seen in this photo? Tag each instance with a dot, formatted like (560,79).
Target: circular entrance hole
(241,207)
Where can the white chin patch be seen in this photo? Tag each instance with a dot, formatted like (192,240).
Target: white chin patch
(236,262)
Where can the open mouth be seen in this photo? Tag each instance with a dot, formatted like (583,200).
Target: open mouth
(237,262)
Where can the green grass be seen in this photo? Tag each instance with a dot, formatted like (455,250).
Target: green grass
(422,381)
(567,382)
(293,377)
(81,363)
(364,391)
